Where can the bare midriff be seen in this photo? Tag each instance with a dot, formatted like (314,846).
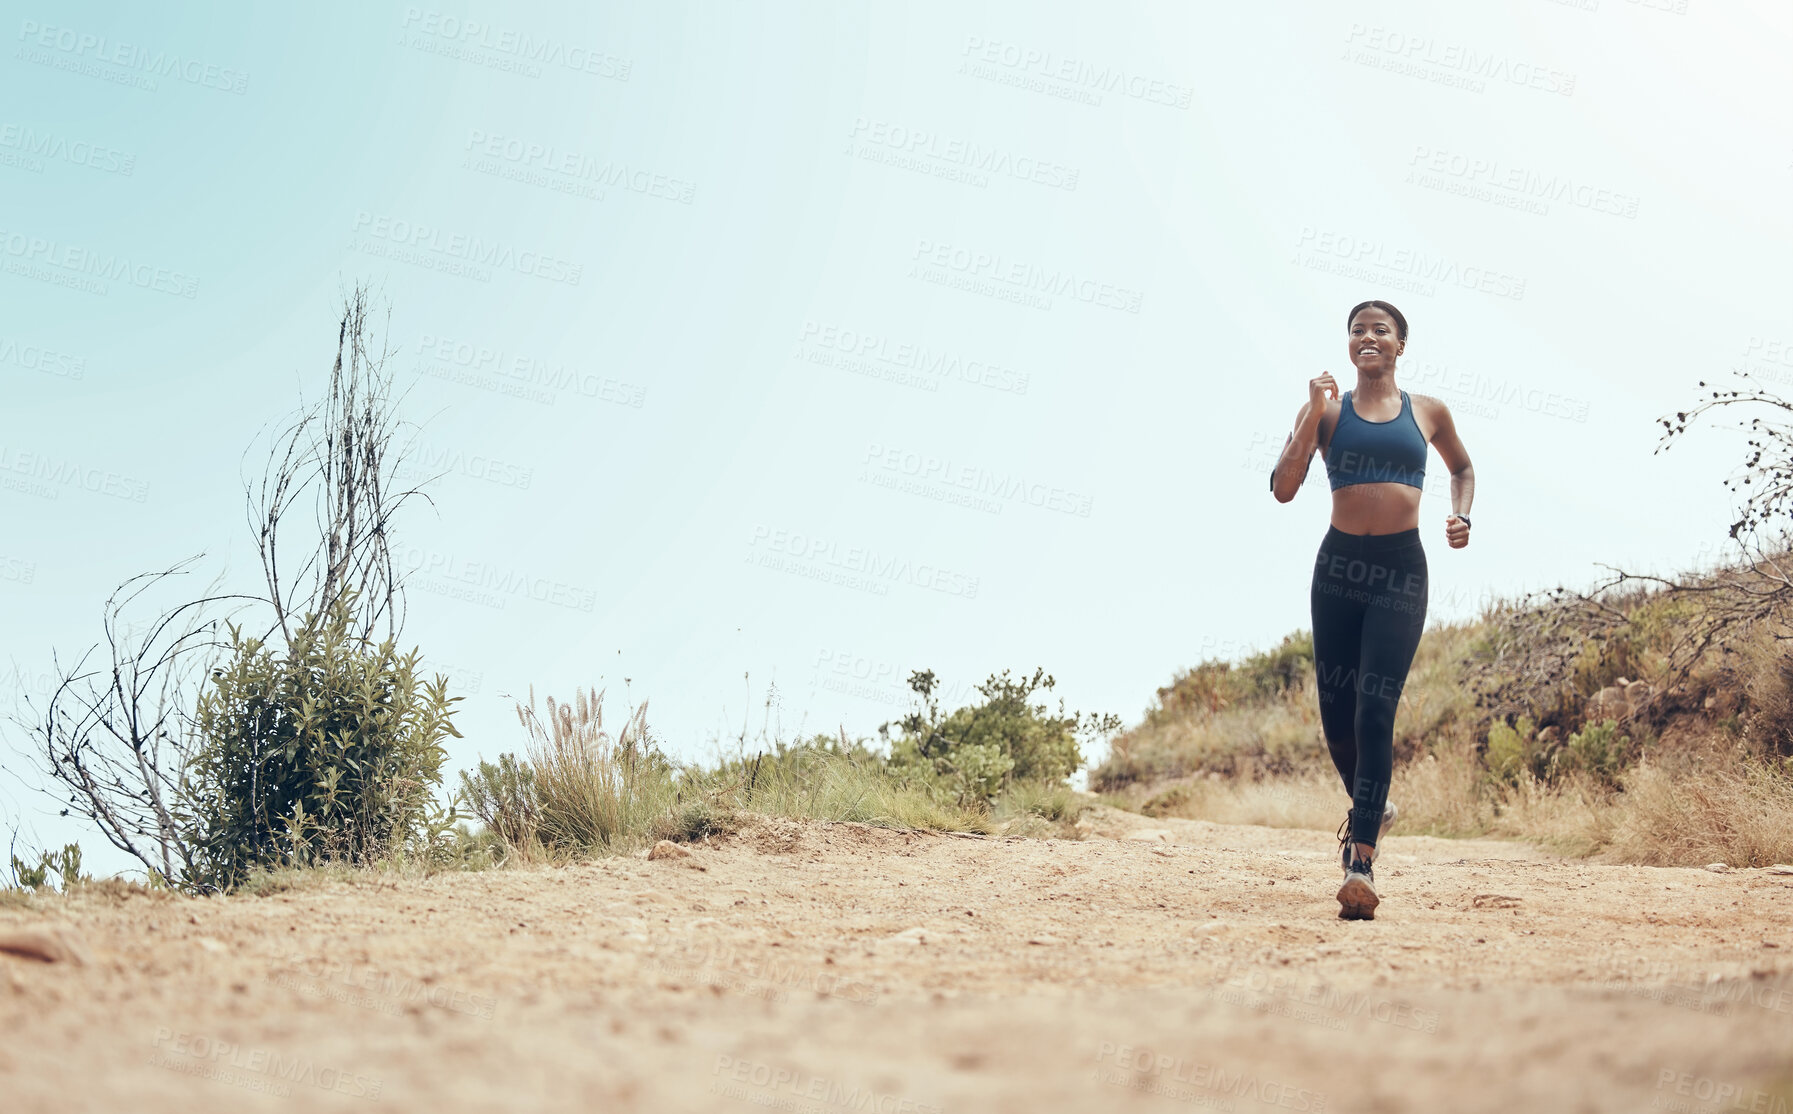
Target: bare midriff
(1376,508)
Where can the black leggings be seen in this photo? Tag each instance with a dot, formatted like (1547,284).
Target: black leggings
(1369,607)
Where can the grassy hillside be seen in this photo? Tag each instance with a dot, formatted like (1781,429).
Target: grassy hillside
(1645,722)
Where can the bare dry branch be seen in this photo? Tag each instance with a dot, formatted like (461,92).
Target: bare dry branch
(340,459)
(115,737)
(119,738)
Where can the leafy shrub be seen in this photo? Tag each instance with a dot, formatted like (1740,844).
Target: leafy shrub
(598,794)
(1513,750)
(1547,654)
(797,760)
(1192,692)
(592,793)
(31,877)
(1515,754)
(66,864)
(1276,671)
(1505,755)
(1214,685)
(979,770)
(1168,802)
(1596,749)
(1039,809)
(1044,799)
(979,750)
(329,750)
(504,798)
(1637,647)
(466,849)
(823,778)
(1251,741)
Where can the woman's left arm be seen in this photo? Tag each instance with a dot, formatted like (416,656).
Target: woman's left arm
(1456,458)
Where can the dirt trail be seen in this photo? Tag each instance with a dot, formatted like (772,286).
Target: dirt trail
(1158,965)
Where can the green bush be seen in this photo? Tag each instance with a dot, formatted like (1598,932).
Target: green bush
(588,792)
(1214,685)
(1278,670)
(1635,650)
(1192,692)
(1168,802)
(1597,749)
(468,850)
(1048,800)
(1512,750)
(979,770)
(66,864)
(981,749)
(328,751)
(822,778)
(1038,809)
(31,877)
(504,798)
(797,760)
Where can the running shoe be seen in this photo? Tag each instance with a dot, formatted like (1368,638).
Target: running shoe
(1344,833)
(1357,897)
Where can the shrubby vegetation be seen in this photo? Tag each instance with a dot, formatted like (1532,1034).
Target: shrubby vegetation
(1236,720)
(1599,751)
(225,752)
(1649,719)
(1639,722)
(1216,684)
(326,748)
(998,764)
(63,865)
(210,755)
(979,751)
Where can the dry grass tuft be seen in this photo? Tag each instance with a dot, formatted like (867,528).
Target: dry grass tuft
(579,791)
(1741,816)
(593,790)
(1505,729)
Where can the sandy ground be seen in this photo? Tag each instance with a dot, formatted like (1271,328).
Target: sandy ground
(1157,965)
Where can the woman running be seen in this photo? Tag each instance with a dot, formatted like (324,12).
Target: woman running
(1369,588)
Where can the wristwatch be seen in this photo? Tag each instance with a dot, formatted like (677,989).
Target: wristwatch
(1464,517)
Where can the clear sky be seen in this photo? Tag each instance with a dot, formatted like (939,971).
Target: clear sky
(809,344)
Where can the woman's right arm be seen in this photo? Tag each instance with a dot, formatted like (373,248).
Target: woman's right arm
(1298,451)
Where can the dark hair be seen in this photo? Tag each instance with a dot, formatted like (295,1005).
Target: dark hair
(1400,322)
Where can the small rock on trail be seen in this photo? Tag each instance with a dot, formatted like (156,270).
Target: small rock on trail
(667,850)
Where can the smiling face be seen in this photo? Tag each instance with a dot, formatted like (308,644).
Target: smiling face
(1374,340)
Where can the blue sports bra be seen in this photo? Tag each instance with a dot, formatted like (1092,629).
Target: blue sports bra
(1363,452)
